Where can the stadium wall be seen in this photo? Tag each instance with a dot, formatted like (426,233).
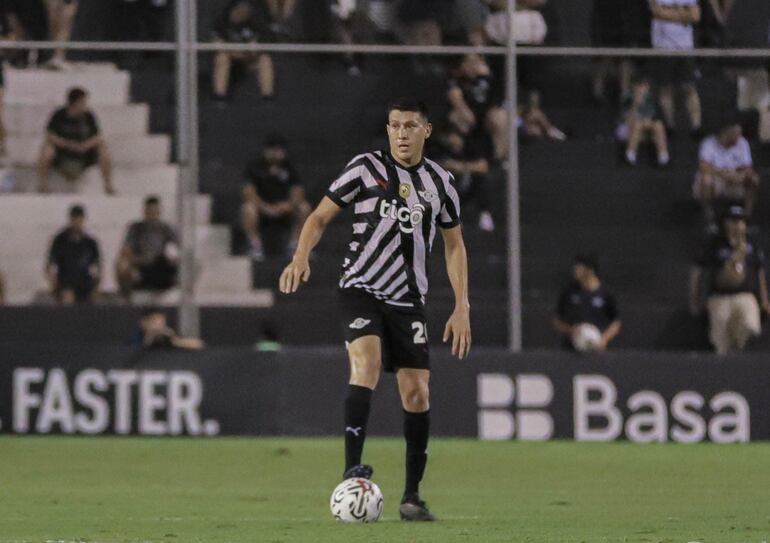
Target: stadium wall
(640,397)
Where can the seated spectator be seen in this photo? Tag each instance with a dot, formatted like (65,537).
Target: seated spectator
(240,23)
(281,13)
(730,274)
(726,174)
(73,143)
(421,21)
(528,23)
(278,205)
(350,25)
(673,27)
(150,253)
(8,31)
(466,159)
(474,103)
(586,302)
(535,123)
(616,23)
(61,17)
(155,333)
(74,267)
(245,237)
(641,121)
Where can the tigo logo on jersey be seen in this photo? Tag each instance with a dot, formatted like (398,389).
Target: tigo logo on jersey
(407,218)
(359,323)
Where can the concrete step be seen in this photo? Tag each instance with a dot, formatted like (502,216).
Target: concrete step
(121,119)
(225,275)
(22,260)
(128,181)
(131,150)
(40,86)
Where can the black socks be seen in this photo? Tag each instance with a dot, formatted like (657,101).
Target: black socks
(356,415)
(416,430)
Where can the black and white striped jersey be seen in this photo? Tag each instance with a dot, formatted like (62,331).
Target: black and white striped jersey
(396,211)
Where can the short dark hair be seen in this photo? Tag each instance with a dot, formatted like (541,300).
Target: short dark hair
(75,94)
(729,120)
(408,103)
(274,140)
(151,310)
(588,260)
(77,211)
(151,200)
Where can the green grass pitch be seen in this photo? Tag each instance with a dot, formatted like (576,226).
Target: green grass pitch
(276,490)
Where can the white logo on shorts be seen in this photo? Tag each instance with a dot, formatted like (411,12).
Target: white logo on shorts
(359,323)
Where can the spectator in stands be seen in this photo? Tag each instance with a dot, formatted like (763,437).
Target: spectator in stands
(642,120)
(150,253)
(73,143)
(8,31)
(466,158)
(246,238)
(281,12)
(534,122)
(475,104)
(350,25)
(241,23)
(731,274)
(29,22)
(616,23)
(725,171)
(280,204)
(61,18)
(713,27)
(155,333)
(586,301)
(673,28)
(74,267)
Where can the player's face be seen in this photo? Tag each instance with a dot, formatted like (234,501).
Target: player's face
(407,132)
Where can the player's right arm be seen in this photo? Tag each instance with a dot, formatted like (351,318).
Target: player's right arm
(298,270)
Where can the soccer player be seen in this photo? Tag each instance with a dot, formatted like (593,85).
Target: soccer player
(399,198)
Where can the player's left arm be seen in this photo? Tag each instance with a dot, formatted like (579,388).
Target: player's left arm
(458,327)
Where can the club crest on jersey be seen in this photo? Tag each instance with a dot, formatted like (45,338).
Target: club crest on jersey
(427,195)
(407,218)
(359,323)
(404,190)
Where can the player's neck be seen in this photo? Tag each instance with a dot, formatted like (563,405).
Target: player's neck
(408,163)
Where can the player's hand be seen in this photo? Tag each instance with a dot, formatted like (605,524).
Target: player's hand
(458,327)
(297,272)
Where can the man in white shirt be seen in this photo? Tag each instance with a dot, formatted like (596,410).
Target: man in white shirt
(673,28)
(725,171)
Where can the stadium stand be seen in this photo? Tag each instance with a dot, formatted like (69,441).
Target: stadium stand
(141,167)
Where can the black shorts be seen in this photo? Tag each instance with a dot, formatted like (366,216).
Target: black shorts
(402,330)
(675,71)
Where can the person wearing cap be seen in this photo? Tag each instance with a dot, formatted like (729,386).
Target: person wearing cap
(74,266)
(586,301)
(274,204)
(725,171)
(730,277)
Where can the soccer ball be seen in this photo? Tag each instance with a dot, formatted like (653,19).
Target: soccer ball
(586,338)
(356,500)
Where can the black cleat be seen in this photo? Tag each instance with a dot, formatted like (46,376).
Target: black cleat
(414,509)
(359,471)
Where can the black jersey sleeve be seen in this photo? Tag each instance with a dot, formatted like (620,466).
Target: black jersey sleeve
(449,216)
(348,184)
